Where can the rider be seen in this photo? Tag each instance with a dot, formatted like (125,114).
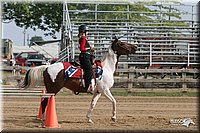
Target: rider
(85,57)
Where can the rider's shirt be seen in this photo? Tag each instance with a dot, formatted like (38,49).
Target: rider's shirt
(83,44)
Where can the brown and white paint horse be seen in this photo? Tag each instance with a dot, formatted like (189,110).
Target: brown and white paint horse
(53,84)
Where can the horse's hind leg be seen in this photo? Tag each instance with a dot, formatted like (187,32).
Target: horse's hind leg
(95,98)
(44,105)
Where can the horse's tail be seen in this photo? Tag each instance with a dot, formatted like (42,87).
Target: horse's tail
(34,77)
(26,82)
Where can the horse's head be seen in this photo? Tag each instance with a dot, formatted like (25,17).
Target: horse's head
(123,48)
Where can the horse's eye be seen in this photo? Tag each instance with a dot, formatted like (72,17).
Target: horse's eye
(121,44)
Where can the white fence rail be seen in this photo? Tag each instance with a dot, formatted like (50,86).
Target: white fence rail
(15,92)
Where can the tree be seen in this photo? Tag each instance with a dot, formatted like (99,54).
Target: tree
(36,39)
(48,16)
(34,15)
(138,11)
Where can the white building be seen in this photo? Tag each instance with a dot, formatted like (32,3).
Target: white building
(49,50)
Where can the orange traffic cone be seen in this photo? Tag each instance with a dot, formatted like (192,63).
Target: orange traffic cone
(22,70)
(39,116)
(51,120)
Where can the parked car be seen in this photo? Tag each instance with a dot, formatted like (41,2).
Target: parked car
(35,60)
(22,57)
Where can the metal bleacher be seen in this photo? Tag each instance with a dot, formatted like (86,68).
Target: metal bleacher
(171,42)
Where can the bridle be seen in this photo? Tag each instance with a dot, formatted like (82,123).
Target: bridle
(118,55)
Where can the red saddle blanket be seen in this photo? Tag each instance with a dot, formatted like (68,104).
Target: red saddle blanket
(76,71)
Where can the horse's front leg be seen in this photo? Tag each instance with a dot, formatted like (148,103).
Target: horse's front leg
(95,98)
(108,95)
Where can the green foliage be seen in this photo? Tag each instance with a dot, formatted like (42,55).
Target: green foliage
(48,16)
(36,39)
(35,15)
(80,11)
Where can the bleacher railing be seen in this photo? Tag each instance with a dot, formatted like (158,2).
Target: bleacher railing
(171,41)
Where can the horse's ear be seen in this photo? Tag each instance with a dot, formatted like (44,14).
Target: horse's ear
(115,39)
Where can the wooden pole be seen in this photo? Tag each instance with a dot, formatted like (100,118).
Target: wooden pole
(27,94)
(184,84)
(130,78)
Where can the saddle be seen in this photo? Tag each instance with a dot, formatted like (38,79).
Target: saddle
(74,70)
(76,63)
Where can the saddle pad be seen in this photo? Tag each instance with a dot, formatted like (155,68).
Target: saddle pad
(76,72)
(99,69)
(71,71)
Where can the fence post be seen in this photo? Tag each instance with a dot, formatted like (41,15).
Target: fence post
(188,54)
(130,78)
(184,84)
(150,55)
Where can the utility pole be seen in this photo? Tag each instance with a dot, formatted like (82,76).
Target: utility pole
(28,39)
(24,32)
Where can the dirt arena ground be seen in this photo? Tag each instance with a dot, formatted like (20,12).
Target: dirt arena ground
(134,113)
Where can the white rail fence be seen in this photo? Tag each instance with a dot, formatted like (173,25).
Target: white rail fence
(16,92)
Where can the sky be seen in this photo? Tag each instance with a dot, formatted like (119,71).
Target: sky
(16,34)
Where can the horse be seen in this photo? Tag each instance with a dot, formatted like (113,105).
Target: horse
(53,77)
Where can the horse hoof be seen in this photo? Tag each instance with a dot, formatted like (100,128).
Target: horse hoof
(90,121)
(113,119)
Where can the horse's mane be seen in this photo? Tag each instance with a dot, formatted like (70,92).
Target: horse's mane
(103,59)
(106,54)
